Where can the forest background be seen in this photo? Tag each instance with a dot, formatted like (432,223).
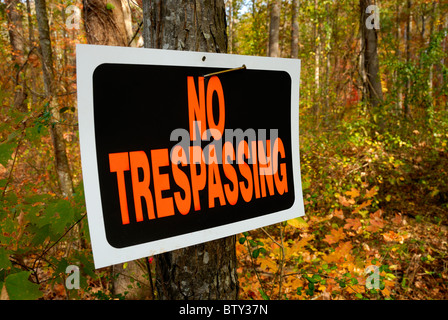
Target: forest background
(374,169)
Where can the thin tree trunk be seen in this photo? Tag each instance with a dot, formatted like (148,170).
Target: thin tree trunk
(371,62)
(274,27)
(31,45)
(295,30)
(408,58)
(317,51)
(329,29)
(61,160)
(208,270)
(398,55)
(16,38)
(431,67)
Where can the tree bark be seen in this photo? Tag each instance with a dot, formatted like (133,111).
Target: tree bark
(407,108)
(185,25)
(295,30)
(208,270)
(317,52)
(371,62)
(16,38)
(107,22)
(274,27)
(434,16)
(61,160)
(398,55)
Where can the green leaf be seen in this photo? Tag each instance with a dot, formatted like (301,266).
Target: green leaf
(63,109)
(316,278)
(6,150)
(256,253)
(58,215)
(242,240)
(252,243)
(263,294)
(40,234)
(4,259)
(20,288)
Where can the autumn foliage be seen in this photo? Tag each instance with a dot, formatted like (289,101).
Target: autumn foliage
(374,182)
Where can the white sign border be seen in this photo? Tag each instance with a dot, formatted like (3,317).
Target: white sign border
(88,58)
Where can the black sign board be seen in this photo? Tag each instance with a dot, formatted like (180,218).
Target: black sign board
(177,150)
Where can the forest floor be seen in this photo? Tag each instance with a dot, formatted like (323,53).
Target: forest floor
(371,201)
(417,260)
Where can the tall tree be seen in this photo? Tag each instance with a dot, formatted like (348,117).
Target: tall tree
(59,146)
(295,29)
(16,38)
(208,270)
(408,57)
(369,41)
(274,26)
(317,52)
(399,102)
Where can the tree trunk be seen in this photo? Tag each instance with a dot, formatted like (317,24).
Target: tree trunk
(329,30)
(16,38)
(434,16)
(398,55)
(317,51)
(295,30)
(408,59)
(61,160)
(208,270)
(99,19)
(274,27)
(232,9)
(107,22)
(371,63)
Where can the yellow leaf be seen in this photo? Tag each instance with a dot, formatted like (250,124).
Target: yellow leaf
(362,206)
(338,213)
(267,264)
(385,292)
(321,287)
(353,193)
(370,193)
(298,223)
(346,202)
(335,236)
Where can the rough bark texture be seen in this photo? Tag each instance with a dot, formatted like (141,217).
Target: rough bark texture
(408,57)
(16,38)
(61,160)
(185,25)
(203,272)
(295,30)
(208,270)
(317,52)
(107,22)
(371,62)
(274,26)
